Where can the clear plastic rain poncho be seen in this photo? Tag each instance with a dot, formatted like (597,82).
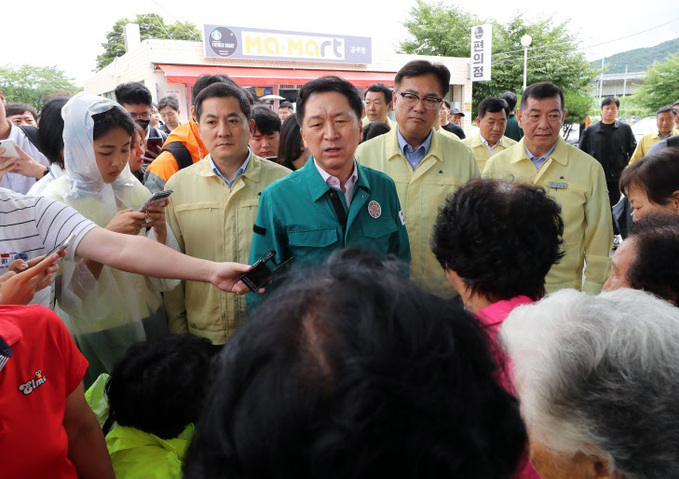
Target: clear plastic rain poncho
(106,314)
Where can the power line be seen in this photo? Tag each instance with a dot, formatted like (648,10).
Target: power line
(582,48)
(177,22)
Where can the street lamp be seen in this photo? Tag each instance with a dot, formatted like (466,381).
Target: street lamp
(526,40)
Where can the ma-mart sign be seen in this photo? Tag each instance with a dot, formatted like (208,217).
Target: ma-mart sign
(253,43)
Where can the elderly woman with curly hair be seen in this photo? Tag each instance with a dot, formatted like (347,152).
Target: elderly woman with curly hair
(598,382)
(497,241)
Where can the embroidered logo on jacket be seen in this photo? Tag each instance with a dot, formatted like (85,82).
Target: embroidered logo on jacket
(29,386)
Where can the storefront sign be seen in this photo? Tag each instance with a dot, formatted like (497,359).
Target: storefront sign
(253,43)
(482,49)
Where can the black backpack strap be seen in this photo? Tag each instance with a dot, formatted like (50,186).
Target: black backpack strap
(180,152)
(31,133)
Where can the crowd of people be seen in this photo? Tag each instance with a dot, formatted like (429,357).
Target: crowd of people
(349,286)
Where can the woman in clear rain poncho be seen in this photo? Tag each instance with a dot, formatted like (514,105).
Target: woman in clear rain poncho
(106,310)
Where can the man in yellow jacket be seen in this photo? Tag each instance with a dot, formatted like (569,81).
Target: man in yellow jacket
(183,146)
(213,209)
(665,118)
(572,177)
(425,165)
(492,122)
(378,102)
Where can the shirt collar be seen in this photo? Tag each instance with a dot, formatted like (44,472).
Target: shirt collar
(328,178)
(239,172)
(403,144)
(543,157)
(488,147)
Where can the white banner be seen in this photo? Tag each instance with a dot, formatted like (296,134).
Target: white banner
(482,49)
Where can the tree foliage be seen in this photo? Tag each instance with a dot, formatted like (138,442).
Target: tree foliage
(151,25)
(660,87)
(439,30)
(33,85)
(553,55)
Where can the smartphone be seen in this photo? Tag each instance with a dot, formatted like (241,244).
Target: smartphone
(61,248)
(154,145)
(156,198)
(260,275)
(10,150)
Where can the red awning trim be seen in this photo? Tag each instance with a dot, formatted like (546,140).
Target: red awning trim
(262,77)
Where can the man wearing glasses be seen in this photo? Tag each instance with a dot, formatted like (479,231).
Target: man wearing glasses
(137,100)
(425,165)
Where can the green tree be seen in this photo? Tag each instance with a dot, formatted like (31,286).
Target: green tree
(151,25)
(439,29)
(553,54)
(32,85)
(660,87)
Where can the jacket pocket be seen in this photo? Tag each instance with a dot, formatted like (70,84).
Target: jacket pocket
(313,238)
(378,229)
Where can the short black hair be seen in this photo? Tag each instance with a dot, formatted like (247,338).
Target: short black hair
(511,98)
(493,105)
(329,84)
(666,109)
(51,130)
(375,128)
(447,103)
(169,100)
(501,238)
(380,88)
(285,104)
(133,93)
(656,174)
(609,100)
(655,267)
(542,91)
(418,68)
(222,90)
(266,121)
(353,372)
(115,117)
(159,386)
(19,108)
(290,144)
(205,81)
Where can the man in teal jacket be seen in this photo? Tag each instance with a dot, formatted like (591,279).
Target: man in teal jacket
(333,202)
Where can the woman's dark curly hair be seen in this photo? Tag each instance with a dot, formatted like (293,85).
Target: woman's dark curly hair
(501,238)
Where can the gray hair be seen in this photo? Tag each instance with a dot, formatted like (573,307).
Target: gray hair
(600,375)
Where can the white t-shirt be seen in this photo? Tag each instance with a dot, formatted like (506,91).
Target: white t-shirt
(31,227)
(15,181)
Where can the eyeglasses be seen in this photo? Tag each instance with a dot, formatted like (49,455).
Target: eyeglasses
(430,103)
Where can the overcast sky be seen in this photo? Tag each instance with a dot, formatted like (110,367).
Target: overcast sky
(69,34)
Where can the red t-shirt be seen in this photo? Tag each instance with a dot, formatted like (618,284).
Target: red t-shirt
(45,367)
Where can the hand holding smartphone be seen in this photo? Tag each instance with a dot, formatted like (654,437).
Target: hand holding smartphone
(59,250)
(10,149)
(260,275)
(157,198)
